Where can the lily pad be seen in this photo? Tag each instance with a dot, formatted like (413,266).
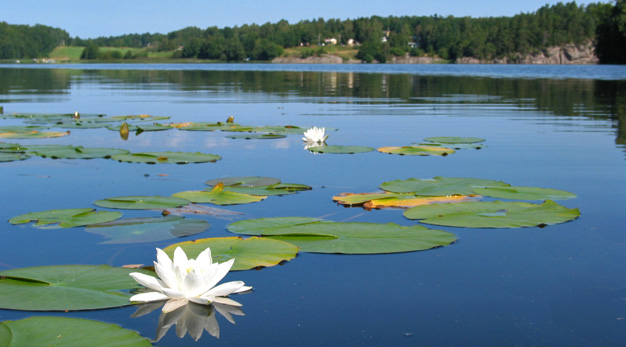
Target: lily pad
(257,136)
(524,193)
(136,230)
(454,140)
(203,126)
(32,134)
(219,196)
(273,190)
(340,149)
(417,150)
(141,202)
(408,201)
(79,152)
(493,214)
(63,331)
(259,225)
(248,181)
(21,128)
(358,199)
(81,125)
(142,117)
(66,287)
(352,238)
(139,128)
(439,186)
(248,253)
(455,146)
(5,157)
(167,157)
(66,218)
(201,209)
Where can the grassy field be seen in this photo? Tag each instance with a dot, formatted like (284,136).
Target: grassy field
(72,54)
(68,53)
(345,52)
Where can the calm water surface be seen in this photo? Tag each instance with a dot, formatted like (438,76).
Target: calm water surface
(561,127)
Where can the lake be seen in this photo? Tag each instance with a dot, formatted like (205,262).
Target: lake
(560,127)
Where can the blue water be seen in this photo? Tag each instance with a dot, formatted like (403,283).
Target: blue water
(600,72)
(556,127)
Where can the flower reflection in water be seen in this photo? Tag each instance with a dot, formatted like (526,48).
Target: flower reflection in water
(191,318)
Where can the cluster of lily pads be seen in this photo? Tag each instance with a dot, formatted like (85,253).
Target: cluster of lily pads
(441,146)
(453,201)
(445,201)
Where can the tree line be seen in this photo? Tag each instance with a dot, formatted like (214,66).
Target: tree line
(379,38)
(24,41)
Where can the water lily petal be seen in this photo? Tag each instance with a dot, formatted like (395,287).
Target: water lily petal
(164,259)
(174,294)
(180,258)
(222,270)
(148,281)
(225,288)
(201,300)
(242,289)
(173,304)
(148,297)
(195,283)
(166,274)
(204,258)
(225,301)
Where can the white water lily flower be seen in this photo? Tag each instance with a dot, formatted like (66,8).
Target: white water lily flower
(183,280)
(315,135)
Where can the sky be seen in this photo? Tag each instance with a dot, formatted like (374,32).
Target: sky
(95,18)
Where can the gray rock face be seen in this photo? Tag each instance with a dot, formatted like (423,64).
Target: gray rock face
(568,54)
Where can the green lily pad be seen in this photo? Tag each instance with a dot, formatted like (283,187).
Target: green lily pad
(257,136)
(454,139)
(67,218)
(6,146)
(352,199)
(455,146)
(273,190)
(219,196)
(63,331)
(139,128)
(259,225)
(81,125)
(524,193)
(493,214)
(32,135)
(154,202)
(248,253)
(66,287)
(340,149)
(142,117)
(439,186)
(248,181)
(351,238)
(149,229)
(417,150)
(79,152)
(203,126)
(5,157)
(167,157)
(21,128)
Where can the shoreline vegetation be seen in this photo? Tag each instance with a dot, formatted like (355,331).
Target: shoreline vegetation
(557,34)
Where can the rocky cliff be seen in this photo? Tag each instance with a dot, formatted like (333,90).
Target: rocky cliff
(568,54)
(325,59)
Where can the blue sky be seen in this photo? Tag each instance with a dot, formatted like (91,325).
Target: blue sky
(93,18)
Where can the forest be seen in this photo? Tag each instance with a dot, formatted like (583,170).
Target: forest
(376,38)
